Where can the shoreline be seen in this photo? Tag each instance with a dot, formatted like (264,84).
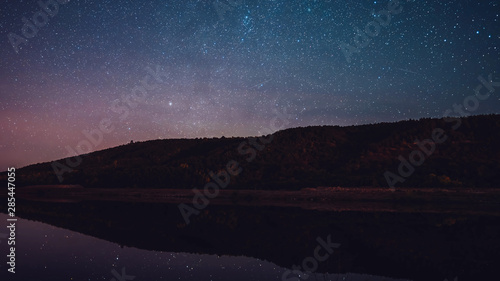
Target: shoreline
(466,201)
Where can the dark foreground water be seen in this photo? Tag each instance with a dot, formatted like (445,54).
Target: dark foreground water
(144,241)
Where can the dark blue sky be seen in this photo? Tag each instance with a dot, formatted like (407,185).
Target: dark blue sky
(213,68)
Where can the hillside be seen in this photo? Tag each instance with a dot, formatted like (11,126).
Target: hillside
(296,158)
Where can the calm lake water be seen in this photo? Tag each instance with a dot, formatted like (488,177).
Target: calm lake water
(139,241)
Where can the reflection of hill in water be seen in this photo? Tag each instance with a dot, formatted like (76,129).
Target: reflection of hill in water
(414,246)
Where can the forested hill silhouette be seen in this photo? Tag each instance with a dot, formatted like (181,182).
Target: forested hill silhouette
(295,158)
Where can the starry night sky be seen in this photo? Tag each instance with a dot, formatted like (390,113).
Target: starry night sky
(226,65)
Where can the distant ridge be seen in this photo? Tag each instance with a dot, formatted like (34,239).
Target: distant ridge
(295,158)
